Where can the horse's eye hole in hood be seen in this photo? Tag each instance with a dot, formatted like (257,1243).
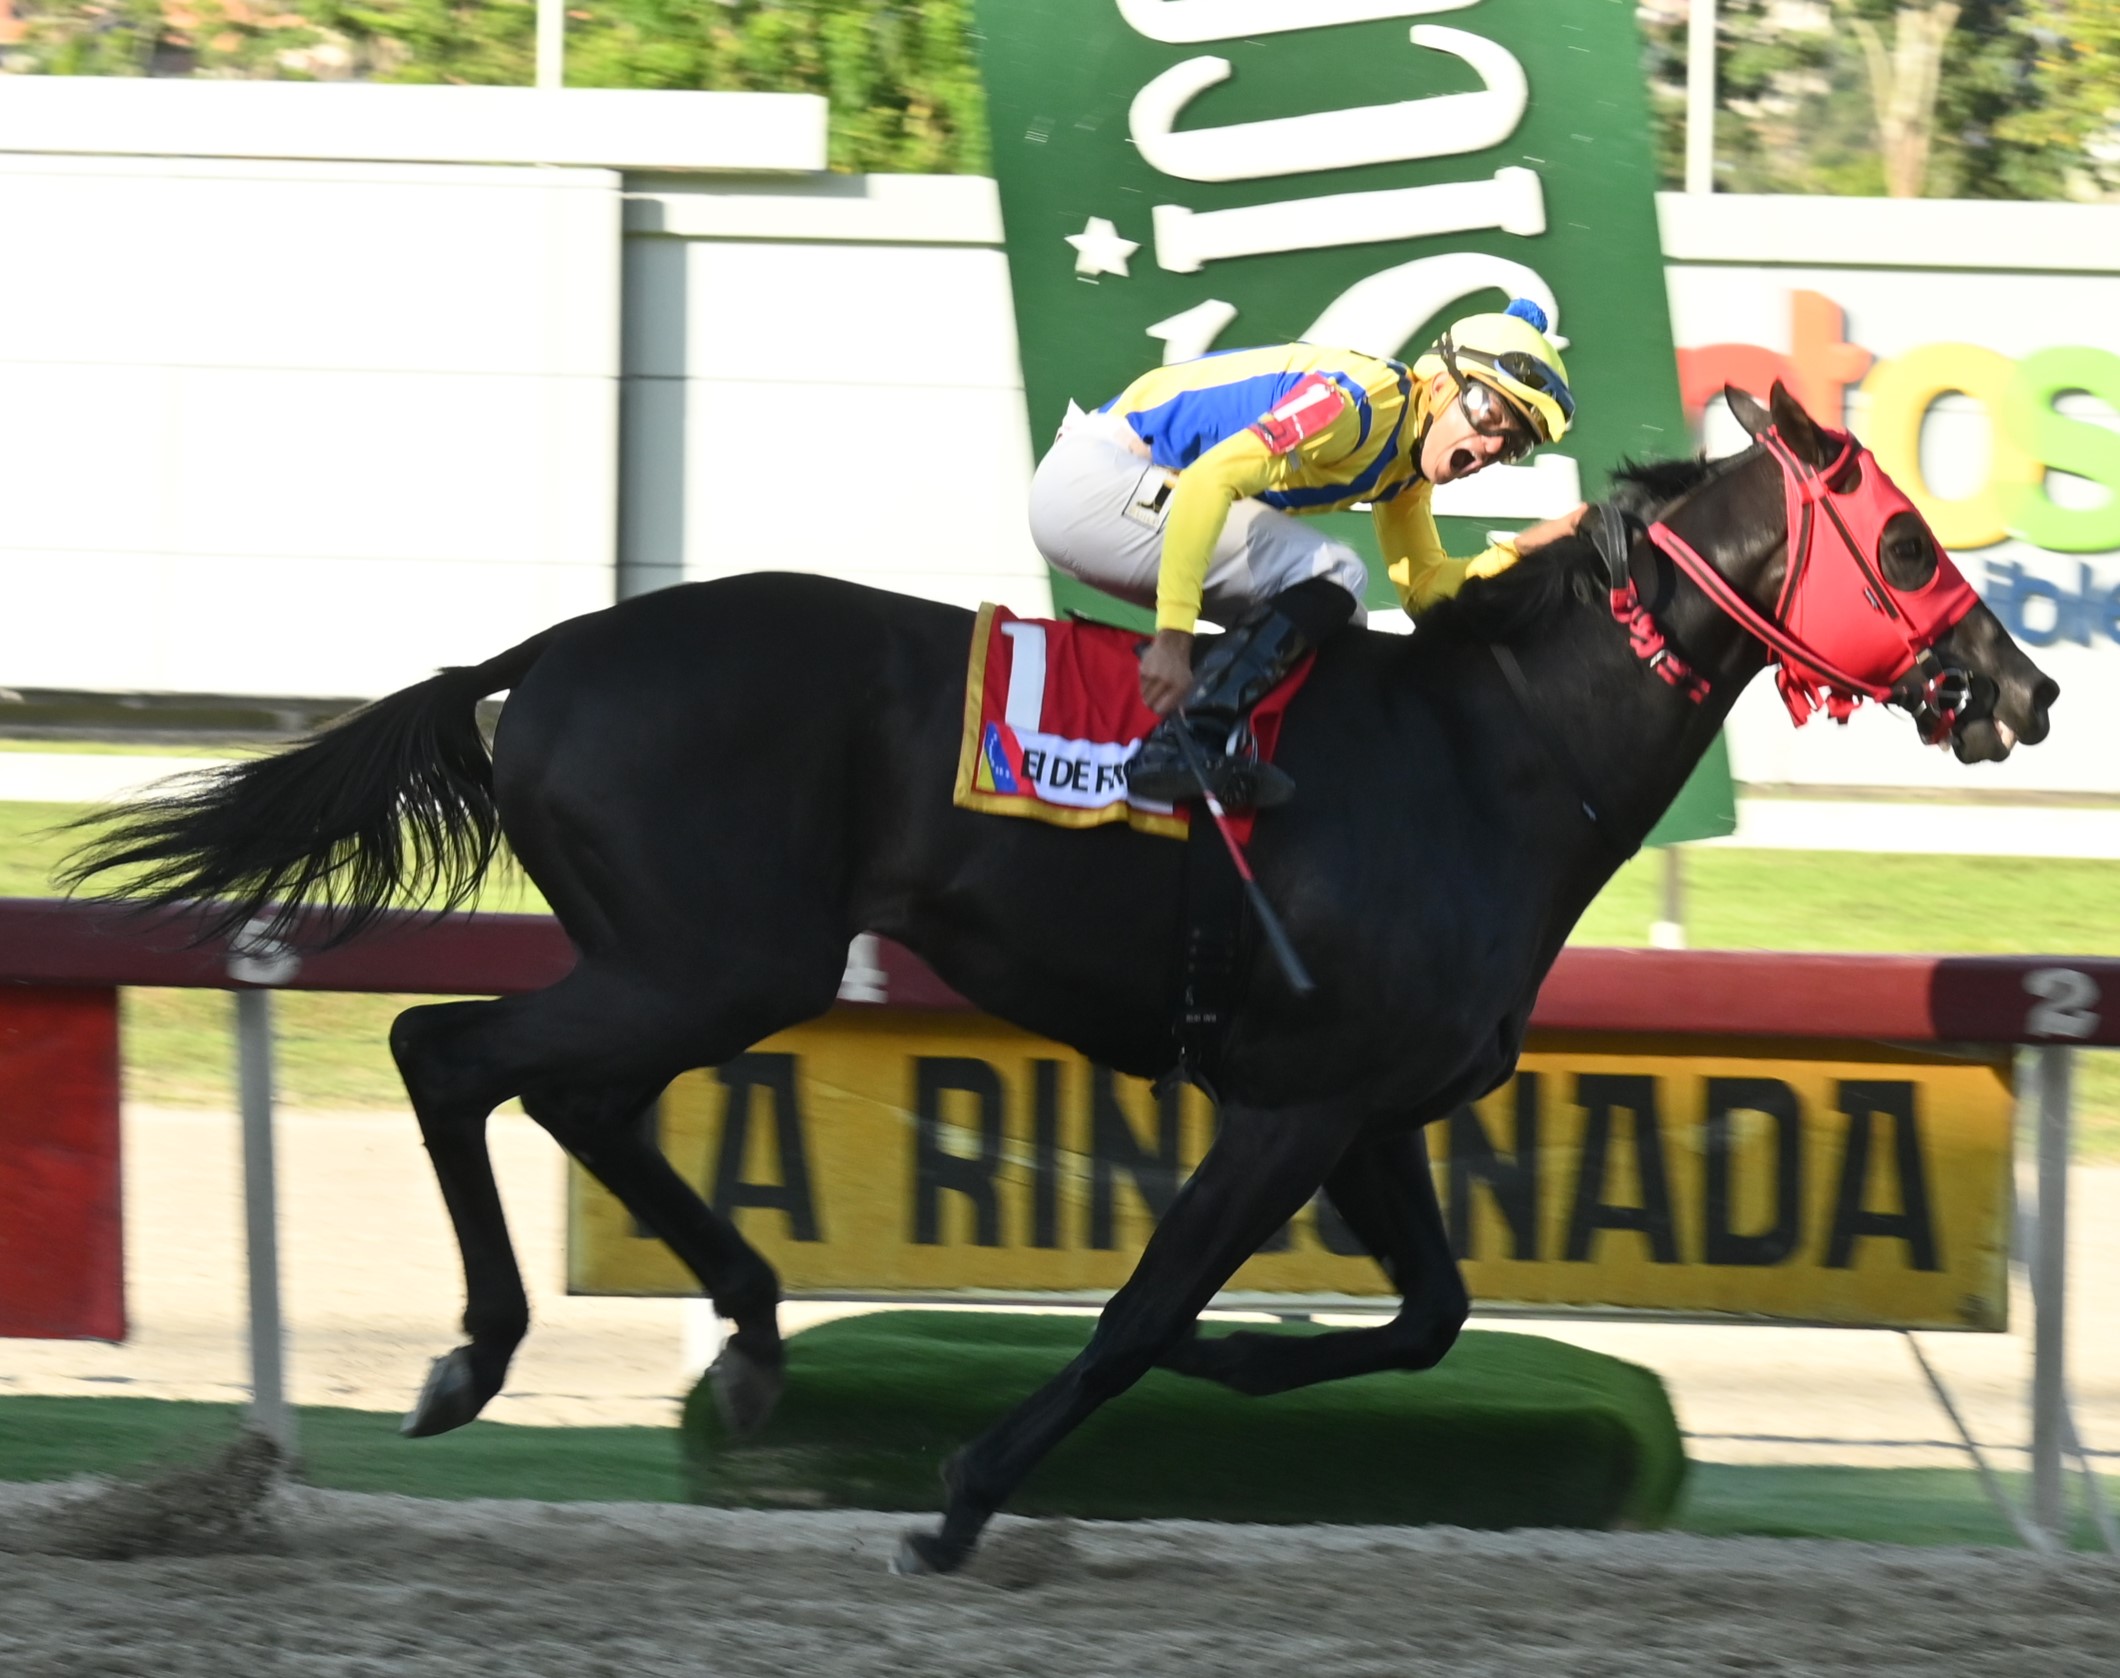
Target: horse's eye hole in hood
(1907,553)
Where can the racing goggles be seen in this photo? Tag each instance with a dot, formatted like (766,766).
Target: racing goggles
(1517,367)
(1492,414)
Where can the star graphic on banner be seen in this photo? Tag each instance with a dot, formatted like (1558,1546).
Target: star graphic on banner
(1100,250)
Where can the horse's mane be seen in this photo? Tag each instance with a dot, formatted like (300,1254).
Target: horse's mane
(1563,574)
(1503,607)
(1642,489)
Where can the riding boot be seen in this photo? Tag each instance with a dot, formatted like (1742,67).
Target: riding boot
(1237,669)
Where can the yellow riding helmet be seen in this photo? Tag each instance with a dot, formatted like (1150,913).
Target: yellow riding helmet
(1510,353)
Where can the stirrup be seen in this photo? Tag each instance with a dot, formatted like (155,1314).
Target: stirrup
(1239,780)
(1244,783)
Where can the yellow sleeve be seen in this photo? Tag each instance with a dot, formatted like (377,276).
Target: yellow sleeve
(1238,466)
(1413,552)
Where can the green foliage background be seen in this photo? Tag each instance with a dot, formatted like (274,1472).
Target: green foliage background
(2029,105)
(901,79)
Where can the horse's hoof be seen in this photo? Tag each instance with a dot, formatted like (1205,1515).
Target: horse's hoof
(921,1553)
(745,1390)
(450,1398)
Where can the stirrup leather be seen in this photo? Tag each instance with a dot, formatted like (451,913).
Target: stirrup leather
(1235,672)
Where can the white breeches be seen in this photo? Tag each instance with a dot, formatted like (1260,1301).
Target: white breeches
(1098,506)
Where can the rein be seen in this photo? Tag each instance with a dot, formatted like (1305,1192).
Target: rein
(1840,634)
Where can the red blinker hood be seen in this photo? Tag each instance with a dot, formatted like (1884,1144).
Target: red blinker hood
(1855,636)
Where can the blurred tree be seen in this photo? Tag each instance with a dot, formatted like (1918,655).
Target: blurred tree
(465,42)
(1789,106)
(1904,81)
(901,79)
(1969,98)
(2074,120)
(107,38)
(1948,98)
(899,75)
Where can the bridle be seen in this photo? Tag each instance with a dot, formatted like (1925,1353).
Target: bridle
(1839,634)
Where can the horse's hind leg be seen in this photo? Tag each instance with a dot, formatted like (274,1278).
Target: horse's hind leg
(1259,1172)
(587,1054)
(612,1133)
(452,1096)
(1385,1194)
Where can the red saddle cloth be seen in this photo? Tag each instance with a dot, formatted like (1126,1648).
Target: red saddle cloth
(1052,716)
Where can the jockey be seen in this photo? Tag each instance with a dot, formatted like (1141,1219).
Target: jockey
(1180,493)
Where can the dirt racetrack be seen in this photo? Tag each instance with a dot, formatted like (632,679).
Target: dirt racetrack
(371,1587)
(355,1586)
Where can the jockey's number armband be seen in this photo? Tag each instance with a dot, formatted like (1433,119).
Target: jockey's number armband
(1306,410)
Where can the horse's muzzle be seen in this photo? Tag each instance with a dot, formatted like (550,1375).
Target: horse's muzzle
(2008,697)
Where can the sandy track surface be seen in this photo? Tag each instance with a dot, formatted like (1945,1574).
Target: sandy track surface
(356,1585)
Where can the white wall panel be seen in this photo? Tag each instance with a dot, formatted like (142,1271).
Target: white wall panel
(307,265)
(1888,232)
(199,461)
(405,466)
(324,627)
(360,410)
(80,462)
(850,314)
(817,405)
(930,492)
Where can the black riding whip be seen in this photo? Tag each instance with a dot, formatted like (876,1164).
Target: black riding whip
(1299,980)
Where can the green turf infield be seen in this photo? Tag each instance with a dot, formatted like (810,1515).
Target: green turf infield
(1511,1430)
(361,1450)
(347,1450)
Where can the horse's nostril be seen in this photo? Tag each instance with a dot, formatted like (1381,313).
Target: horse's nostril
(2036,724)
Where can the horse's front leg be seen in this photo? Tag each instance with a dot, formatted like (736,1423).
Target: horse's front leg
(1261,1169)
(1384,1193)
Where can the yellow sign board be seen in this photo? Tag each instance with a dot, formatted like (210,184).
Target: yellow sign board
(919,1155)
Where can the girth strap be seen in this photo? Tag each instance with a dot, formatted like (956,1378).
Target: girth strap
(1217,942)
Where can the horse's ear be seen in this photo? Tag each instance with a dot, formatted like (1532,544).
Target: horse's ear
(1747,411)
(1797,428)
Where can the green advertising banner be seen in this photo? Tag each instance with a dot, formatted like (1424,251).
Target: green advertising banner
(1181,176)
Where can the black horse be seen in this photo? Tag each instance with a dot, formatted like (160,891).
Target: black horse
(718,785)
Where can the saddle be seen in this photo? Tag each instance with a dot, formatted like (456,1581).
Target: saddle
(1052,720)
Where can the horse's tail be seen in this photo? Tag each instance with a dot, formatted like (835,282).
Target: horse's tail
(390,806)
